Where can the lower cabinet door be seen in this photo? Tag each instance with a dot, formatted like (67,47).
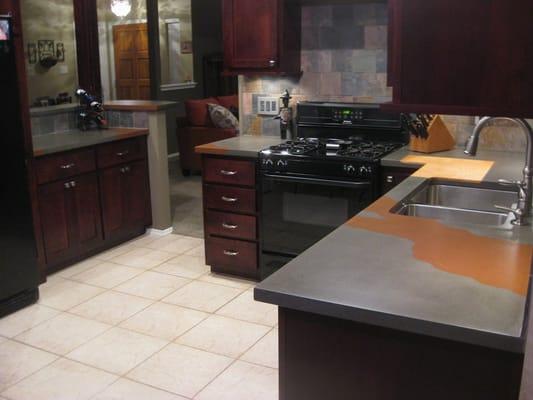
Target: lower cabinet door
(125,198)
(232,256)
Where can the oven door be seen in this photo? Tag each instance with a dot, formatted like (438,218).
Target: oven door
(299,211)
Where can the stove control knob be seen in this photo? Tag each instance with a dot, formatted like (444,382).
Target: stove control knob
(350,169)
(364,170)
(268,162)
(282,164)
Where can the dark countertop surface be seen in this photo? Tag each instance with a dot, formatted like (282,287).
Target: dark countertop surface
(240,146)
(65,141)
(467,283)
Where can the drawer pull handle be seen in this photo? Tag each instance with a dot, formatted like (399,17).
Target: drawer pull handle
(228,173)
(67,166)
(229,226)
(123,153)
(125,169)
(229,199)
(231,253)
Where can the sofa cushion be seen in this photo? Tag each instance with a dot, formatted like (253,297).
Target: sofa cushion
(229,101)
(222,117)
(198,113)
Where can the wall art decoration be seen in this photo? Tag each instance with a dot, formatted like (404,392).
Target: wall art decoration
(46,49)
(32,53)
(60,52)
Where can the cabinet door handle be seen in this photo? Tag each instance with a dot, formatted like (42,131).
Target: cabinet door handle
(272,63)
(229,199)
(123,153)
(229,226)
(73,184)
(67,166)
(228,173)
(390,179)
(231,253)
(67,185)
(125,169)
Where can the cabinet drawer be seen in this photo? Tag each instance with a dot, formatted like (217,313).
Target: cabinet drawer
(234,255)
(229,198)
(120,152)
(64,165)
(231,172)
(231,225)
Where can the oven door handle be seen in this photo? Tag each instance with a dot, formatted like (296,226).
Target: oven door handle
(315,181)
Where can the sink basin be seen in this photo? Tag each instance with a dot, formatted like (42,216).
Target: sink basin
(481,197)
(460,203)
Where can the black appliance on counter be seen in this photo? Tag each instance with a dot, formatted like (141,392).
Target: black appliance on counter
(19,276)
(329,173)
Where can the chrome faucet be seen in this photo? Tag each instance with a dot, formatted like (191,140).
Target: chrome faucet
(522,210)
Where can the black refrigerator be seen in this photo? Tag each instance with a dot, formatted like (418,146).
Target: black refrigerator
(19,275)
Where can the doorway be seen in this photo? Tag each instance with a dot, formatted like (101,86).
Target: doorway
(132,61)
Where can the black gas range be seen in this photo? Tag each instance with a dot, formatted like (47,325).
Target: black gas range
(320,179)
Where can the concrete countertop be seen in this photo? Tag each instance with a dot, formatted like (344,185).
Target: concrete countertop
(139,105)
(55,143)
(240,146)
(459,282)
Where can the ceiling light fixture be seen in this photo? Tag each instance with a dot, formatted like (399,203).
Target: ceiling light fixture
(121,8)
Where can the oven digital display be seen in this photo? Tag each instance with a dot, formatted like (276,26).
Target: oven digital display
(5,30)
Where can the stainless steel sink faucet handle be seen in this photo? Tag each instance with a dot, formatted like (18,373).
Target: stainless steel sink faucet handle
(525,187)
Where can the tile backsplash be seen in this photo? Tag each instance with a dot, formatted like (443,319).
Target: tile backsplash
(344,59)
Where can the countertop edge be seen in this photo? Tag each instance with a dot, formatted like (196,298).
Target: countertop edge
(397,322)
(146,106)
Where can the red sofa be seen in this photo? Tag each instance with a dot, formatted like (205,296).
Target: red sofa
(198,129)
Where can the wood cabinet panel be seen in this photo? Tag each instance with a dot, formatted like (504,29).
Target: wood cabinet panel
(232,199)
(228,171)
(231,225)
(121,152)
(232,256)
(393,176)
(65,165)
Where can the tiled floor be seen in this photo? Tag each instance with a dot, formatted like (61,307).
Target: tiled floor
(146,320)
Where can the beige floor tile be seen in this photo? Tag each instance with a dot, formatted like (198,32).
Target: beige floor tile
(152,285)
(225,336)
(185,266)
(197,251)
(62,380)
(25,319)
(144,240)
(243,381)
(79,267)
(111,307)
(143,258)
(164,321)
(51,280)
(63,333)
(264,352)
(18,361)
(117,350)
(125,389)
(67,294)
(180,369)
(107,275)
(246,308)
(203,296)
(115,252)
(175,244)
(227,280)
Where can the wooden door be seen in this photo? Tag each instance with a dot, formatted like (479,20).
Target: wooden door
(87,222)
(125,198)
(251,34)
(132,61)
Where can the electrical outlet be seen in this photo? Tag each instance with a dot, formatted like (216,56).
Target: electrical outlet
(267,106)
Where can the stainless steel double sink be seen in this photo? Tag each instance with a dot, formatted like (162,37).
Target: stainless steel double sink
(460,203)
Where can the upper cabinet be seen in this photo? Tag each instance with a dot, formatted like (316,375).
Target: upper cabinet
(468,57)
(262,37)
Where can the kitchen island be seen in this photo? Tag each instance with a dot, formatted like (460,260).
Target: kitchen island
(396,307)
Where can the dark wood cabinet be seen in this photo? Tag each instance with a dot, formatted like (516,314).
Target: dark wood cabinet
(393,176)
(70,217)
(468,57)
(262,36)
(92,199)
(231,215)
(125,198)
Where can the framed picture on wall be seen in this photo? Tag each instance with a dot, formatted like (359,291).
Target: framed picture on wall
(46,49)
(32,53)
(60,52)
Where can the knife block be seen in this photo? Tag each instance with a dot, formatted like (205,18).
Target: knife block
(439,138)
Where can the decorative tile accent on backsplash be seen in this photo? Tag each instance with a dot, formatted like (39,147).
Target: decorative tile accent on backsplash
(344,59)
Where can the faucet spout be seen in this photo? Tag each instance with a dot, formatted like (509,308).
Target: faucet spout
(525,187)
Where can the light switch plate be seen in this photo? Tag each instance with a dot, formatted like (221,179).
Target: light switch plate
(267,105)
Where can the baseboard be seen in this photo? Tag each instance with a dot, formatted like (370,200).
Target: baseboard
(160,232)
(173,156)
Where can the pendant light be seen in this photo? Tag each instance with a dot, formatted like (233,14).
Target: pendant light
(121,8)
